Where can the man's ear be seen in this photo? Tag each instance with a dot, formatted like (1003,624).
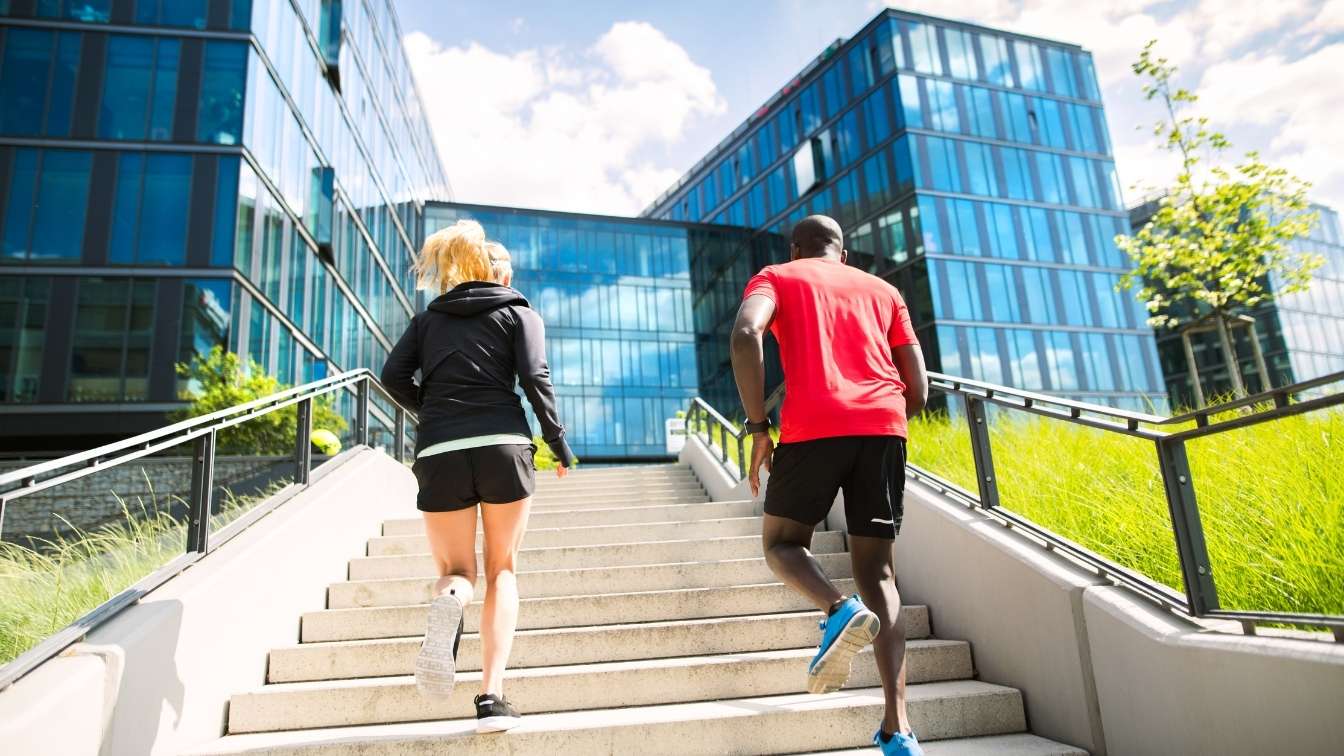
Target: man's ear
(844,255)
(794,251)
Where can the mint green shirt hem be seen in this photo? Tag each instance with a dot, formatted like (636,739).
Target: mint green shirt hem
(474,442)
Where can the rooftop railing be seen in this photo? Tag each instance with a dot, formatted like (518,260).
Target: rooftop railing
(201,528)
(1168,436)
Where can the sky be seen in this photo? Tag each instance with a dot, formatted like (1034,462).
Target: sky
(599,106)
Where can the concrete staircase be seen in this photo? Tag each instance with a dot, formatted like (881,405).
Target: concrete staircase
(649,624)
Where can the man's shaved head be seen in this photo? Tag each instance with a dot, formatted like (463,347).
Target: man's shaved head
(818,236)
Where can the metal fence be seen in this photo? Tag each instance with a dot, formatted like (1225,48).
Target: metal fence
(1168,435)
(202,433)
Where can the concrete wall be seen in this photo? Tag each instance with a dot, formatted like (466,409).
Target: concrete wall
(204,635)
(1099,667)
(708,466)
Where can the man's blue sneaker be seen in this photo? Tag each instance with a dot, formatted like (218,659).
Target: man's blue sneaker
(899,745)
(844,633)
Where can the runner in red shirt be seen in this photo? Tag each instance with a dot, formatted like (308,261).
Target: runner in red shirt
(852,372)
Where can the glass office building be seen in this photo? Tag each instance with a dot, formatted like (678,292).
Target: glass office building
(970,167)
(1301,335)
(180,175)
(616,296)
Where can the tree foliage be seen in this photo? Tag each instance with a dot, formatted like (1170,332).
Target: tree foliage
(221,379)
(1219,235)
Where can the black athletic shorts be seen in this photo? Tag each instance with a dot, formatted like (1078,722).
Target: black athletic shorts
(805,477)
(460,479)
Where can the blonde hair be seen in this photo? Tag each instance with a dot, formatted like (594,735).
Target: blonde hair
(501,262)
(452,256)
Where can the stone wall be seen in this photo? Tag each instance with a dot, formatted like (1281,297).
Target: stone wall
(142,487)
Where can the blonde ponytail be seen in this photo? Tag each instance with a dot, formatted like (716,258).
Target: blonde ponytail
(452,256)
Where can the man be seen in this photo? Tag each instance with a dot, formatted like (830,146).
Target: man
(852,372)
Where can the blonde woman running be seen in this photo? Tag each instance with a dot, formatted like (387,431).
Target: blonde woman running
(474,446)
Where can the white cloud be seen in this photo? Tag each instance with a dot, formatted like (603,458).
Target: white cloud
(562,129)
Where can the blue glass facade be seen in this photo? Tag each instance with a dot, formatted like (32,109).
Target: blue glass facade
(616,295)
(970,167)
(180,175)
(1301,335)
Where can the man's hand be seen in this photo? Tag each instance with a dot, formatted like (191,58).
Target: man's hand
(762,448)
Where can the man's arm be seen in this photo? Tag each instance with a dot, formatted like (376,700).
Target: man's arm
(749,371)
(748,353)
(910,362)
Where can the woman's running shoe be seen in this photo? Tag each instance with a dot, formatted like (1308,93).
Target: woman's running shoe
(844,633)
(898,745)
(436,665)
(494,714)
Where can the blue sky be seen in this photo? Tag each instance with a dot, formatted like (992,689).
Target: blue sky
(599,106)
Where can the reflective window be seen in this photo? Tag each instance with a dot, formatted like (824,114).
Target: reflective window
(205,322)
(48,195)
(190,13)
(150,209)
(23,319)
(980,169)
(961,54)
(908,95)
(1029,65)
(876,123)
(942,110)
(37,81)
(833,88)
(223,76)
(998,66)
(980,112)
(1061,72)
(127,81)
(114,328)
(88,11)
(924,54)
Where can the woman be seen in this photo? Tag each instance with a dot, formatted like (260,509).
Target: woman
(474,446)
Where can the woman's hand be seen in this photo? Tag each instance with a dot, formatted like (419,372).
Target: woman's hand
(561,471)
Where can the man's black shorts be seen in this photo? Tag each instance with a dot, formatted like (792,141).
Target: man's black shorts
(460,479)
(805,477)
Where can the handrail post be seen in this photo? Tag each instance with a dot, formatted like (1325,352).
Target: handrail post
(742,456)
(202,490)
(980,449)
(1200,591)
(362,413)
(303,442)
(401,434)
(723,441)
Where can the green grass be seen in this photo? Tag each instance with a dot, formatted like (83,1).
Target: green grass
(44,589)
(1270,497)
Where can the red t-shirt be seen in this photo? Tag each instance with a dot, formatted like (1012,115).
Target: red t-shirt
(836,326)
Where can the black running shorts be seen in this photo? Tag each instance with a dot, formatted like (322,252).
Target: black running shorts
(460,479)
(805,477)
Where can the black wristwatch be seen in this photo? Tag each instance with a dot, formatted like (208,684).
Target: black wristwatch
(761,427)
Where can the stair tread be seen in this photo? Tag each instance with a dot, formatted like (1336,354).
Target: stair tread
(1015,744)
(636,722)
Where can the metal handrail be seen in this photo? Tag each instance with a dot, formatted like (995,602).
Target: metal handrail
(1200,595)
(700,412)
(201,431)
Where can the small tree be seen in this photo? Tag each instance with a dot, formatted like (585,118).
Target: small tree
(221,380)
(1219,235)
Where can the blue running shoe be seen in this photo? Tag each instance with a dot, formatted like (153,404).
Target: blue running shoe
(899,745)
(844,634)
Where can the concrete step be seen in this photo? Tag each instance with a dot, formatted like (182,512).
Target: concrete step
(581,474)
(618,489)
(543,504)
(1018,744)
(756,725)
(593,535)
(609,555)
(614,516)
(290,706)
(570,582)
(575,611)
(346,660)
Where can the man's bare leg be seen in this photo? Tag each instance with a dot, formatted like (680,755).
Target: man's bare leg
(875,574)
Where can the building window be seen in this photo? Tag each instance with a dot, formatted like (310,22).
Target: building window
(188,13)
(37,81)
(114,328)
(205,323)
(139,88)
(23,320)
(961,54)
(1029,65)
(149,215)
(48,194)
(223,79)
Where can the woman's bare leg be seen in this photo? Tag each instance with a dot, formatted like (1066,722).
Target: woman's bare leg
(504,526)
(452,541)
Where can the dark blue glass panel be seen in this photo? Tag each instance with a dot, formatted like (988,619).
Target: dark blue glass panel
(89,11)
(832,84)
(226,203)
(165,90)
(240,15)
(62,196)
(126,87)
(19,209)
(810,109)
(1062,77)
(223,79)
(23,80)
(63,84)
(205,320)
(126,208)
(163,210)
